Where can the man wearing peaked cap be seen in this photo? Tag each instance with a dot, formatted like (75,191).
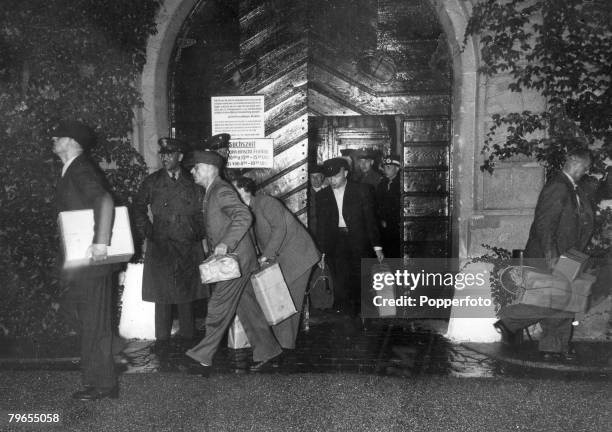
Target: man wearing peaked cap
(88,289)
(219,142)
(365,164)
(388,205)
(172,145)
(227,222)
(173,241)
(347,231)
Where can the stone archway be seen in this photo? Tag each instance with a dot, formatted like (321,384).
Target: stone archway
(152,120)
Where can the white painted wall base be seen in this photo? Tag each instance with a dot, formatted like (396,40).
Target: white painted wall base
(475,329)
(137,316)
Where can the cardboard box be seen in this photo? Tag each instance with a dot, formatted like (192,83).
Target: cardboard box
(273,294)
(571,264)
(77,233)
(556,292)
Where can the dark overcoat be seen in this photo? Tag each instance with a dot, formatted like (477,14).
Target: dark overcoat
(174,248)
(359,215)
(83,186)
(560,223)
(388,205)
(89,288)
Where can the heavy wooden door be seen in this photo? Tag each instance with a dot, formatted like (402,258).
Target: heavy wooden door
(425,180)
(427,187)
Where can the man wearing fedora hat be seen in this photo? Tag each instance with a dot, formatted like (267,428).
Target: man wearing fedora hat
(82,185)
(173,246)
(227,221)
(388,206)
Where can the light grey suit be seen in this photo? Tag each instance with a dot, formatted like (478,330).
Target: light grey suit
(282,237)
(227,220)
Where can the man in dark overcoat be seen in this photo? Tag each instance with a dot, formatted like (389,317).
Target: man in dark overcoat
(227,221)
(388,196)
(347,231)
(174,248)
(563,220)
(88,289)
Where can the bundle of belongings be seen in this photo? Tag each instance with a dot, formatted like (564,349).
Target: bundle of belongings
(567,288)
(218,268)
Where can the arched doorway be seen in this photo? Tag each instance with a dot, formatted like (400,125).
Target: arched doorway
(278,57)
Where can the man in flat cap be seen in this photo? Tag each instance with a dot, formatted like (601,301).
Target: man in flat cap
(365,164)
(88,289)
(173,241)
(388,205)
(347,231)
(227,222)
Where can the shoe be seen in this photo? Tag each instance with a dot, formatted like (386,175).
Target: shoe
(277,361)
(198,368)
(558,357)
(93,393)
(266,364)
(507,337)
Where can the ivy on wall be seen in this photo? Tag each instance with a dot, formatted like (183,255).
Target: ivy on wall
(562,49)
(60,59)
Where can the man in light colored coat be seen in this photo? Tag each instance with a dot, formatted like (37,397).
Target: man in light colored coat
(282,238)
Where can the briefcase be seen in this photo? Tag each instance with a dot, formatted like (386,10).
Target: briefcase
(273,294)
(219,268)
(236,336)
(77,233)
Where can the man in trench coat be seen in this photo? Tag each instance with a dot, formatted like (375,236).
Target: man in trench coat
(174,249)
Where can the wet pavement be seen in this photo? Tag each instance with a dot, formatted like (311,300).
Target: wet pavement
(338,344)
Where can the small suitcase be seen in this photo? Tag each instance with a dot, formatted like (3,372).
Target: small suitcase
(219,268)
(272,294)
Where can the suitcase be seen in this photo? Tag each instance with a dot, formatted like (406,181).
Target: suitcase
(219,268)
(273,294)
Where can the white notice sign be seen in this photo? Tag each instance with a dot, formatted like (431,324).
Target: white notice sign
(251,153)
(239,116)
